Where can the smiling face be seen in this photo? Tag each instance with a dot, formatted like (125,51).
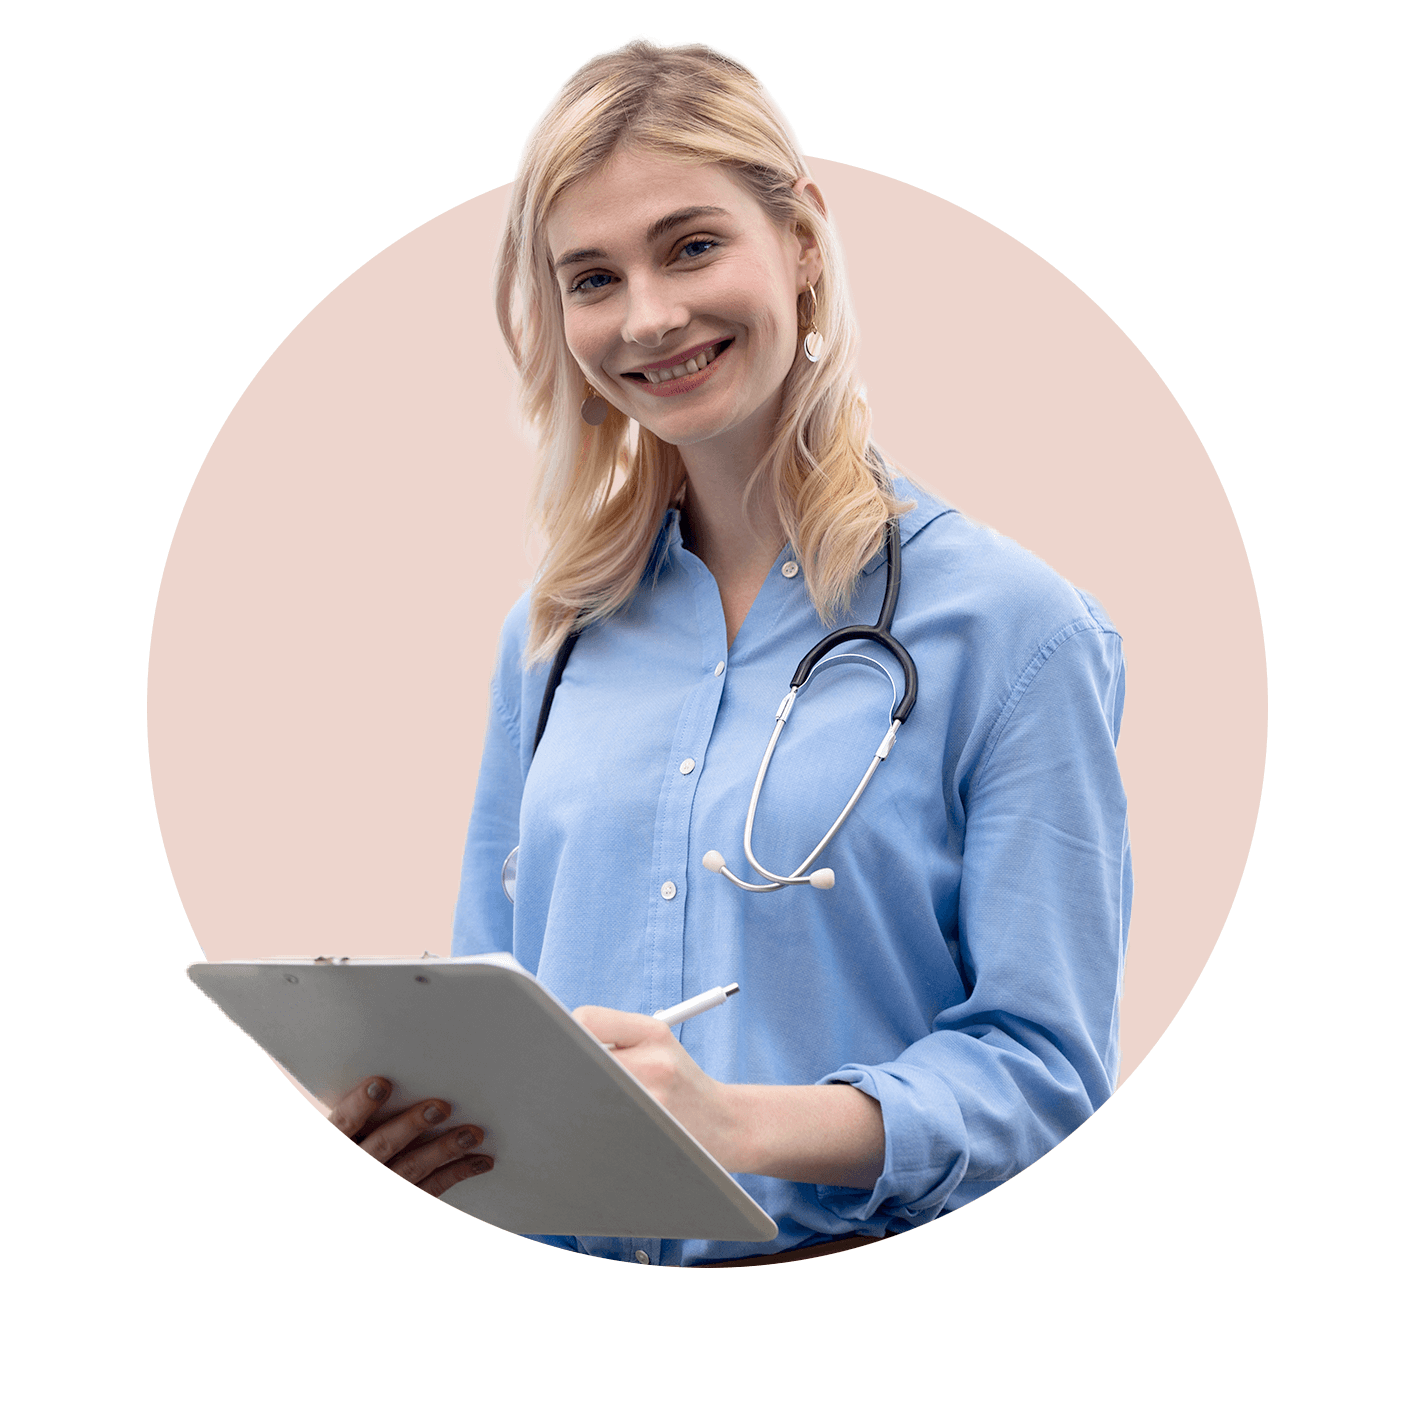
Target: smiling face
(679,295)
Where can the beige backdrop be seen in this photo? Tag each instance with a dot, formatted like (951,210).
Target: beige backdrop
(327,619)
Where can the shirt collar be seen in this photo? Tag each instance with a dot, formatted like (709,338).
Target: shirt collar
(926,508)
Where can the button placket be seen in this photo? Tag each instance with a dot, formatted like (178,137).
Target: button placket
(672,871)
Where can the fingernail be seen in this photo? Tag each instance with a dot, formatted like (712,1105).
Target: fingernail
(432,1114)
(469,1139)
(480,1166)
(376,1091)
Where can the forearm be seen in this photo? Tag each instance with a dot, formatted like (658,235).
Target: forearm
(808,1134)
(831,1134)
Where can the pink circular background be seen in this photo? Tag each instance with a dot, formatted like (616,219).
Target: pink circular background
(325,629)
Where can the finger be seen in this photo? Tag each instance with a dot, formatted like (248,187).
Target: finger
(353,1110)
(441,1180)
(394,1136)
(624,1029)
(418,1161)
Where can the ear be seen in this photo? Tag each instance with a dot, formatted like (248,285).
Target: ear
(811,262)
(807,188)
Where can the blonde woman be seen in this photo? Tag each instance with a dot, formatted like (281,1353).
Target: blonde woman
(941,1008)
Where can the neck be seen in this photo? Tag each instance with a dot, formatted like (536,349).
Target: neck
(728,534)
(738,543)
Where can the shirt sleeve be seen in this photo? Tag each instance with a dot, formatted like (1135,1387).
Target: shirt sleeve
(1044,911)
(483,919)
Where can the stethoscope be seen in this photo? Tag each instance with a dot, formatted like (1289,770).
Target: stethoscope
(815,661)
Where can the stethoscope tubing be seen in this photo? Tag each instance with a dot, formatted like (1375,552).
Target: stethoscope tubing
(880,633)
(799,875)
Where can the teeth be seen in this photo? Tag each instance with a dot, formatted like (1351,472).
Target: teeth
(693,365)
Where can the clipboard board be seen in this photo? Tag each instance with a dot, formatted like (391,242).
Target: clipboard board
(580,1145)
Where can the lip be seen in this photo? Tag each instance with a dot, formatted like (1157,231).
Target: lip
(681,357)
(676,386)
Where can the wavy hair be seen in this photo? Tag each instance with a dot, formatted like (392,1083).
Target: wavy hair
(601,493)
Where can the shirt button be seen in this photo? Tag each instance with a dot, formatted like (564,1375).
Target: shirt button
(640,1256)
(687,765)
(717,672)
(669,889)
(791,569)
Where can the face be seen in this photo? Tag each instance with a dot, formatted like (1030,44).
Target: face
(679,295)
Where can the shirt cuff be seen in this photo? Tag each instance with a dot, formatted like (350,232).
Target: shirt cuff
(922,1166)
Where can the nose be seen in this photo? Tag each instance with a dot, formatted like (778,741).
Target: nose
(651,313)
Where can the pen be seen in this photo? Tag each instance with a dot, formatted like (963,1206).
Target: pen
(690,1007)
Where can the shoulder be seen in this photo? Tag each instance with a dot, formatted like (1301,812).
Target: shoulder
(986,619)
(512,679)
(983,579)
(515,633)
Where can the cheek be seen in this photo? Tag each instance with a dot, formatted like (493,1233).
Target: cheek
(776,319)
(590,335)
(578,339)
(769,321)
(777,340)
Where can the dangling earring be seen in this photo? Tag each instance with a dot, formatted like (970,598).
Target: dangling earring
(813,345)
(594,409)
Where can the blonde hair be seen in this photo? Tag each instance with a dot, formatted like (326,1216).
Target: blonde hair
(601,492)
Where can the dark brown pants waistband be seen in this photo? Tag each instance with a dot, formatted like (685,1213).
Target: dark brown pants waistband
(792,1255)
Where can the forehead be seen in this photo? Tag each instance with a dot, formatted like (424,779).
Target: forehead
(617,204)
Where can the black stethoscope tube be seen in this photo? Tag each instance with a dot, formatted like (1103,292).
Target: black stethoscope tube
(557,672)
(878,633)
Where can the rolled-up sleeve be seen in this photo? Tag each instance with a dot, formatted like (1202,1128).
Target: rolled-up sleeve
(1043,916)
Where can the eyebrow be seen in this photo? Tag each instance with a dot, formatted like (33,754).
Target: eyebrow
(661,227)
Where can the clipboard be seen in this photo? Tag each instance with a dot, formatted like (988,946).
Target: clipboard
(581,1147)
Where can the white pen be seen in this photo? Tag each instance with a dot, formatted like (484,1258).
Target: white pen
(690,1007)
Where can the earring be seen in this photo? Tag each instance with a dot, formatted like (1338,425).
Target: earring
(594,409)
(813,345)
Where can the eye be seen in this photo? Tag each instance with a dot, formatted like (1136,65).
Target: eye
(583,283)
(596,280)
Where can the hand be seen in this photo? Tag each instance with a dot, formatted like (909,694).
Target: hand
(409,1143)
(807,1134)
(649,1051)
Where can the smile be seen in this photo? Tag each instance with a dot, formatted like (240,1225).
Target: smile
(658,376)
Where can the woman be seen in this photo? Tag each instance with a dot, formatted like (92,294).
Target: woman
(673,296)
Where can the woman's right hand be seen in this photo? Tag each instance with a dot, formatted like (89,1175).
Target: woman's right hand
(409,1142)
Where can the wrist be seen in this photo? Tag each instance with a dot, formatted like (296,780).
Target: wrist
(807,1134)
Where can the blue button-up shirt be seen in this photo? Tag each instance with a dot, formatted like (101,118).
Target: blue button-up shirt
(965,970)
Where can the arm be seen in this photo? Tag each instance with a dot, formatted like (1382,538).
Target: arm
(1032,1050)
(483,919)
(1044,907)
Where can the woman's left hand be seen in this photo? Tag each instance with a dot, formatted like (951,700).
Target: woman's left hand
(648,1050)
